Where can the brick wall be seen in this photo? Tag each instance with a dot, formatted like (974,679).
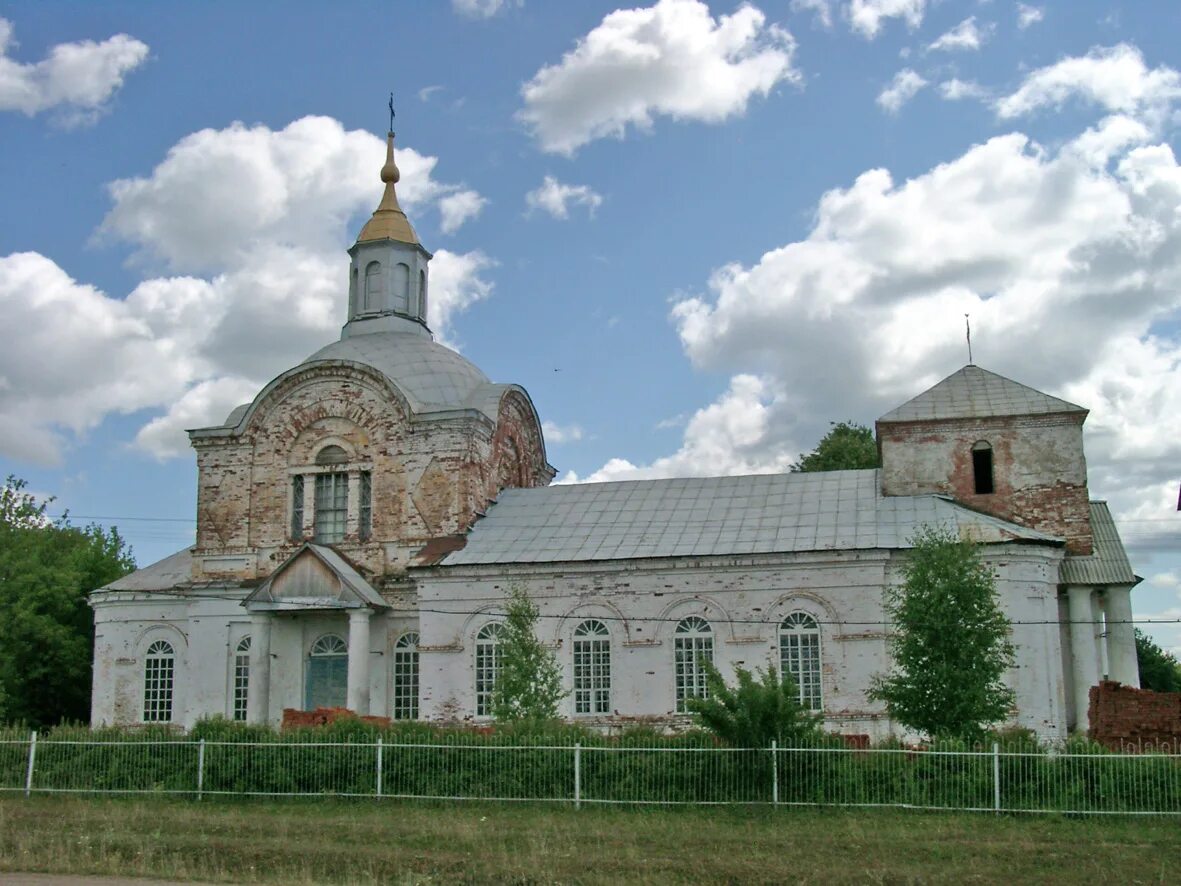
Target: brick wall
(1122,717)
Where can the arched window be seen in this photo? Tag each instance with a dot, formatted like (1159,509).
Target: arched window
(327,674)
(693,646)
(592,668)
(982,467)
(406,677)
(332,455)
(374,284)
(487,666)
(799,656)
(159,674)
(401,283)
(422,294)
(241,677)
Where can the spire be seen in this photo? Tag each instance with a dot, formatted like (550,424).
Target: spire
(389,222)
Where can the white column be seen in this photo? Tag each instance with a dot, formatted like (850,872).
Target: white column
(1121,637)
(258,689)
(358,690)
(1082,652)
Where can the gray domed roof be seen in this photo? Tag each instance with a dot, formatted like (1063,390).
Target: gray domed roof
(431,376)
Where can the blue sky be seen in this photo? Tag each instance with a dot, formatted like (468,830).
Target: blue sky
(696,233)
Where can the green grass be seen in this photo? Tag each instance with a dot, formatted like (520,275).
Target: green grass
(328,841)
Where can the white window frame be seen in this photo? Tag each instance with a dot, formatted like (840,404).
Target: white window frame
(693,643)
(330,508)
(159,682)
(241,680)
(591,656)
(800,655)
(487,665)
(405,677)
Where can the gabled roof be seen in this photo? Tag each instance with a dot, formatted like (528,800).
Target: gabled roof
(288,589)
(1107,564)
(709,516)
(973,392)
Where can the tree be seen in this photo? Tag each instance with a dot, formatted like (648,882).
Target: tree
(950,646)
(1159,670)
(848,446)
(758,709)
(529,683)
(47,567)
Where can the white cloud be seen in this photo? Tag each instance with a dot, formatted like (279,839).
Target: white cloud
(866,16)
(483,8)
(458,208)
(554,197)
(82,76)
(555,433)
(671,59)
(424,94)
(1115,78)
(1067,259)
(965,35)
(1029,15)
(957,90)
(223,204)
(820,9)
(905,86)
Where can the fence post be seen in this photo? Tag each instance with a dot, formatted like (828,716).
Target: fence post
(379,755)
(32,762)
(996,776)
(200,768)
(577,775)
(774,772)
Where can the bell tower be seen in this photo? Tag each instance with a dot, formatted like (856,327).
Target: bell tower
(389,270)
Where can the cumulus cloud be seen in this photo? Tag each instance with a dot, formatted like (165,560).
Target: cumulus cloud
(483,8)
(248,226)
(1029,15)
(81,76)
(671,59)
(957,90)
(965,35)
(1114,78)
(555,433)
(867,16)
(458,208)
(820,9)
(1067,258)
(554,197)
(905,86)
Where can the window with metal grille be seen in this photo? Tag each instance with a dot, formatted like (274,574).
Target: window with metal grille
(159,673)
(406,677)
(592,668)
(487,666)
(693,646)
(799,656)
(332,507)
(365,516)
(297,507)
(241,677)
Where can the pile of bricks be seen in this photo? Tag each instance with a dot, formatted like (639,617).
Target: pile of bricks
(293,719)
(1123,718)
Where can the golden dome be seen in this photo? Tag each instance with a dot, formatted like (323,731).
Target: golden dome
(389,222)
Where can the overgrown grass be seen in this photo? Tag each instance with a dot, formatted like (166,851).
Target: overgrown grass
(408,842)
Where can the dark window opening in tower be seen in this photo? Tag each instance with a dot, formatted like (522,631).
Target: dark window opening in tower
(982,467)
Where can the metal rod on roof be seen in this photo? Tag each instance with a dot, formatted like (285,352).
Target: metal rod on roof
(968,326)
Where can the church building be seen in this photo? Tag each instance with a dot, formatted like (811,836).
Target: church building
(362,520)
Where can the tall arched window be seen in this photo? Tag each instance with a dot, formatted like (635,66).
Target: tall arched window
(592,668)
(982,467)
(241,677)
(401,288)
(693,646)
(422,294)
(406,677)
(487,666)
(374,284)
(159,674)
(799,656)
(327,674)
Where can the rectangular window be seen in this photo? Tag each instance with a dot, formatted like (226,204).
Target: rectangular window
(487,669)
(241,684)
(365,527)
(691,653)
(332,507)
(406,678)
(158,676)
(592,676)
(297,507)
(799,656)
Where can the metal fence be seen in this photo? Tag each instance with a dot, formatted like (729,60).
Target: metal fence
(993,780)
